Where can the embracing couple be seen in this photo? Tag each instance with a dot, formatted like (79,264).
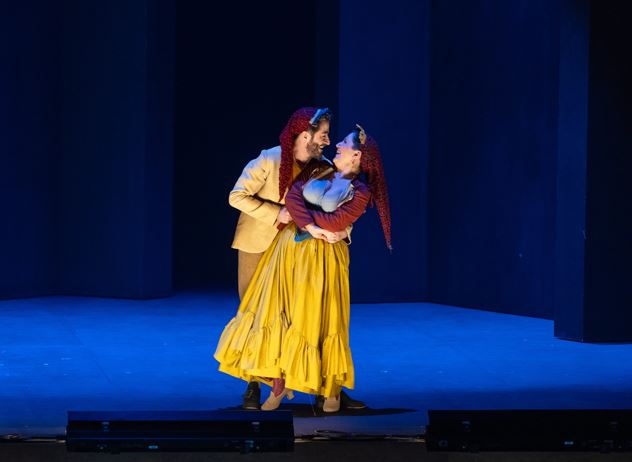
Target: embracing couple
(291,330)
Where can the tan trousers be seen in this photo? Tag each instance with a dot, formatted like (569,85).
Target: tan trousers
(246,266)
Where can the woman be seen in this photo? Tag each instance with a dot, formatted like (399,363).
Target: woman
(292,327)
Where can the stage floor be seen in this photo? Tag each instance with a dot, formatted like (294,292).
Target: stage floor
(76,353)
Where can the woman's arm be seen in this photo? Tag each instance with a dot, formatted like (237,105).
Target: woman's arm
(296,205)
(347,213)
(344,215)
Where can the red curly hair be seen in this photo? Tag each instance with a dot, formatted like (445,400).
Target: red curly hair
(298,123)
(371,165)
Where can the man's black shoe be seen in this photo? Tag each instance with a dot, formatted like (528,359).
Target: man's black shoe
(252,397)
(346,402)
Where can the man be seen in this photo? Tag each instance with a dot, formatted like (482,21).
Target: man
(259,194)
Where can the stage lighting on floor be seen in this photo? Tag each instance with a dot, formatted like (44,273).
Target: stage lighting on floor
(530,430)
(123,431)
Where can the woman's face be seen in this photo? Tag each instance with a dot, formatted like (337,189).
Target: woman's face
(347,157)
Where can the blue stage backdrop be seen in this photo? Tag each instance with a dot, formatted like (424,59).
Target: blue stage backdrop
(239,76)
(593,294)
(103,105)
(493,141)
(384,87)
(115,175)
(29,146)
(608,311)
(87,118)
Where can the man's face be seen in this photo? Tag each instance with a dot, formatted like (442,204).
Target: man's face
(319,140)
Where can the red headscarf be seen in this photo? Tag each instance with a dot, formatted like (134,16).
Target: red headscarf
(371,165)
(298,123)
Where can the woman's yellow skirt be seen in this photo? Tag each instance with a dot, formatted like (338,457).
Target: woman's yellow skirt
(293,321)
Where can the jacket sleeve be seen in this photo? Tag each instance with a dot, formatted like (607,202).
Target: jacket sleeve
(344,216)
(244,194)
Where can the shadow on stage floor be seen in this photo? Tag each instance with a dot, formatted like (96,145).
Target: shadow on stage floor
(311,410)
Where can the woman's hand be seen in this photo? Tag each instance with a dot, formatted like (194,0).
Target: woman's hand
(340,235)
(337,236)
(320,233)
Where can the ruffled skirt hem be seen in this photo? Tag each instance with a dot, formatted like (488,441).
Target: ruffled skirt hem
(293,322)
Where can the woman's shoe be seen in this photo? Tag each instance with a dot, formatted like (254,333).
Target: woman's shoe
(273,402)
(332,404)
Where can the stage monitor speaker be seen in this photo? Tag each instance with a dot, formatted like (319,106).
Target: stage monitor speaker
(529,430)
(123,431)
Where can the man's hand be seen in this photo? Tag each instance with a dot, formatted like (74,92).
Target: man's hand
(284,216)
(320,233)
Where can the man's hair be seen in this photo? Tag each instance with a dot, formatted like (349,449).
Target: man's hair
(302,120)
(311,129)
(317,120)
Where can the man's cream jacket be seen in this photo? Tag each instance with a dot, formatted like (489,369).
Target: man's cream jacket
(256,195)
